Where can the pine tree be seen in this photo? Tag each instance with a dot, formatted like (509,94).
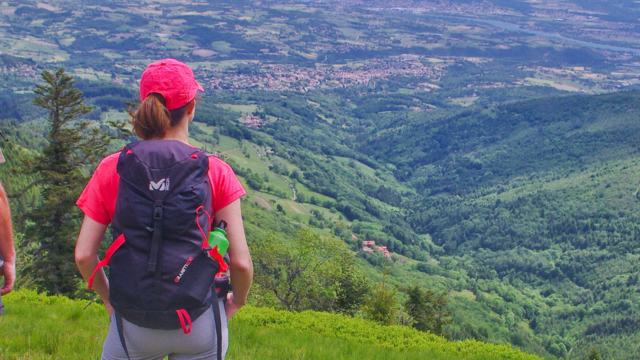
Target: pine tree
(62,172)
(382,307)
(594,354)
(428,310)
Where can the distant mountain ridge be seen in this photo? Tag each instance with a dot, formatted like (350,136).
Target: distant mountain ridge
(541,135)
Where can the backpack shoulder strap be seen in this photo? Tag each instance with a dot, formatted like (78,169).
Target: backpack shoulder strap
(215,306)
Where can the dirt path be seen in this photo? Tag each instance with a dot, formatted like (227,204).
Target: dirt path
(293,189)
(228,151)
(305,209)
(296,208)
(263,202)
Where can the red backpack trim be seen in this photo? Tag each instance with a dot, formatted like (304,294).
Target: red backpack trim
(104,262)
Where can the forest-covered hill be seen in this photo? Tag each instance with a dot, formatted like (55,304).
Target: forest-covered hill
(538,194)
(528,205)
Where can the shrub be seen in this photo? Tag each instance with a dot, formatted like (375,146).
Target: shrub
(395,337)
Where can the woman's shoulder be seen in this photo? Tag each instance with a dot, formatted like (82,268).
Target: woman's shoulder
(109,159)
(109,164)
(218,165)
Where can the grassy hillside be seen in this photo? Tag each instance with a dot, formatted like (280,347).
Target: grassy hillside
(347,192)
(40,327)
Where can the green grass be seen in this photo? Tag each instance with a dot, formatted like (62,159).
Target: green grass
(293,210)
(401,342)
(196,143)
(326,213)
(266,343)
(221,46)
(464,101)
(226,143)
(249,108)
(256,166)
(42,327)
(359,166)
(303,189)
(204,127)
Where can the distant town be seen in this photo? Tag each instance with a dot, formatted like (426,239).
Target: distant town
(286,77)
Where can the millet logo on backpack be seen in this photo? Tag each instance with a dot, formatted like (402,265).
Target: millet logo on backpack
(162,185)
(184,269)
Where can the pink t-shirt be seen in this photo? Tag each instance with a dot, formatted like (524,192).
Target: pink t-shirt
(98,200)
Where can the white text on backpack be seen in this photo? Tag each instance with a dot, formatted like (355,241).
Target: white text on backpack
(162,185)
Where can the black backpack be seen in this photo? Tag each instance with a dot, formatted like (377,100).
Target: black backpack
(160,275)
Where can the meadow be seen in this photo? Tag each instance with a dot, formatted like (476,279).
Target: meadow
(37,326)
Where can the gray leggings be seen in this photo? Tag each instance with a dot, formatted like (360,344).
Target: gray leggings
(151,344)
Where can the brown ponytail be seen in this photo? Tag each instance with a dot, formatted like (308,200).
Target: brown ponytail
(152,119)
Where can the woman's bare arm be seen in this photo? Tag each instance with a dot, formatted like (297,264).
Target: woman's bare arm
(7,249)
(87,246)
(241,266)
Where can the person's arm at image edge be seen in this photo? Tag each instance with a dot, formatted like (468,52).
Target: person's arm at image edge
(87,246)
(241,266)
(7,249)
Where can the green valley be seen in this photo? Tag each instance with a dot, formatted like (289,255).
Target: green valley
(490,164)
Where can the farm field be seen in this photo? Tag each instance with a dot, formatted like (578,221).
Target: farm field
(264,36)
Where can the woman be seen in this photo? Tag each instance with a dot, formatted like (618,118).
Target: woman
(146,324)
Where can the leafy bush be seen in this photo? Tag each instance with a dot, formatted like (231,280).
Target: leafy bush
(37,326)
(398,338)
(255,181)
(428,310)
(313,273)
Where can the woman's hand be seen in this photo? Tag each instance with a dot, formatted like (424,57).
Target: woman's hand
(240,265)
(231,308)
(9,273)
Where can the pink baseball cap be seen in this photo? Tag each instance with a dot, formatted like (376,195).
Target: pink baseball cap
(173,80)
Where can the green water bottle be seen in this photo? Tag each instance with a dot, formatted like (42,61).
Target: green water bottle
(219,237)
